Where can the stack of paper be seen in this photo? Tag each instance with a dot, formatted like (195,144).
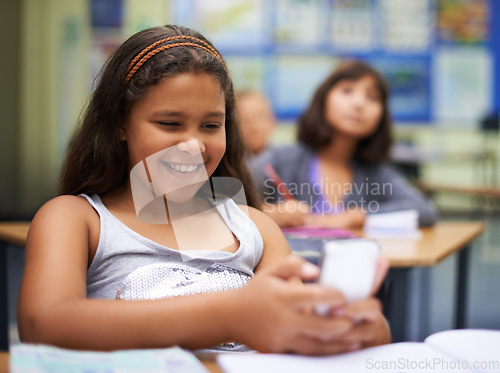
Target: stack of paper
(398,224)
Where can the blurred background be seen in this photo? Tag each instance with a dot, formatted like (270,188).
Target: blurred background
(441,58)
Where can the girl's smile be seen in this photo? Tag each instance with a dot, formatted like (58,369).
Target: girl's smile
(183,172)
(182,168)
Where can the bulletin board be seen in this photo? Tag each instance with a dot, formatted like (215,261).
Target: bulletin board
(439,56)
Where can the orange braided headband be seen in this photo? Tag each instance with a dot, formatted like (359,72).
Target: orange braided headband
(142,57)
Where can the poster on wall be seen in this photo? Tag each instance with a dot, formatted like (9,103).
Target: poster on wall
(352,25)
(299,22)
(409,82)
(286,47)
(462,84)
(229,25)
(407,25)
(463,21)
(247,72)
(294,81)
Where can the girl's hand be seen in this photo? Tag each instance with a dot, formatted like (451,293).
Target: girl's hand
(271,315)
(270,318)
(369,325)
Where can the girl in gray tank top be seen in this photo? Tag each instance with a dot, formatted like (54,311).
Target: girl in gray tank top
(156,236)
(129,266)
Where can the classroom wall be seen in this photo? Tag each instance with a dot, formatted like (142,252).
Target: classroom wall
(52,88)
(53,41)
(10,13)
(49,74)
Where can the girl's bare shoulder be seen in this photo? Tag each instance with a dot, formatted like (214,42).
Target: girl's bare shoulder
(64,212)
(265,224)
(258,217)
(72,206)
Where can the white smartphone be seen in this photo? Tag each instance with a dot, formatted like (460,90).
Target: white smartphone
(348,266)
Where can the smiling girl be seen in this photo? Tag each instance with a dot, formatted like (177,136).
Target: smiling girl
(147,245)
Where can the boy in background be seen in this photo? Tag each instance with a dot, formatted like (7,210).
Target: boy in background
(256,118)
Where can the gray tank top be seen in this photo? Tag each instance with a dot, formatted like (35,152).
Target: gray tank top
(130,266)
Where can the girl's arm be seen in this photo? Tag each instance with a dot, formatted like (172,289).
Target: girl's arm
(53,307)
(276,247)
(264,314)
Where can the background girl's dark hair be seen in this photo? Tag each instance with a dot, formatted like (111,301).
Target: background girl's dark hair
(97,160)
(315,132)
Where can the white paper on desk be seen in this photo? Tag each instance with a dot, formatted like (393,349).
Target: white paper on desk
(389,358)
(439,353)
(397,224)
(469,345)
(382,234)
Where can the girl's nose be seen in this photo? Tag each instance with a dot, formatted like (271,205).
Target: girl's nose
(359,100)
(192,146)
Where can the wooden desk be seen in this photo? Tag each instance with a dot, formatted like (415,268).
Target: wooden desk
(208,361)
(14,232)
(4,362)
(436,243)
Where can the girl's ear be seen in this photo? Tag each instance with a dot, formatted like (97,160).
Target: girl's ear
(122,133)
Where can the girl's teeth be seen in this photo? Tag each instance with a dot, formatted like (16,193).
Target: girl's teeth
(184,168)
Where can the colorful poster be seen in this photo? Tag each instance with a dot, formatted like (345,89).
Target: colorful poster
(463,21)
(299,22)
(235,24)
(409,82)
(352,25)
(248,72)
(462,84)
(295,79)
(286,47)
(407,25)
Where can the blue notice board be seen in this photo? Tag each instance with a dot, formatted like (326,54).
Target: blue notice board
(287,47)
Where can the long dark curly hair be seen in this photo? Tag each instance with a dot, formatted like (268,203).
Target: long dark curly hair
(97,160)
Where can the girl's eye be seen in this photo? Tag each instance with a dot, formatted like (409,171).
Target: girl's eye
(169,124)
(347,90)
(212,126)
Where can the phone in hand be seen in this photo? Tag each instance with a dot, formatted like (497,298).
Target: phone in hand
(348,266)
